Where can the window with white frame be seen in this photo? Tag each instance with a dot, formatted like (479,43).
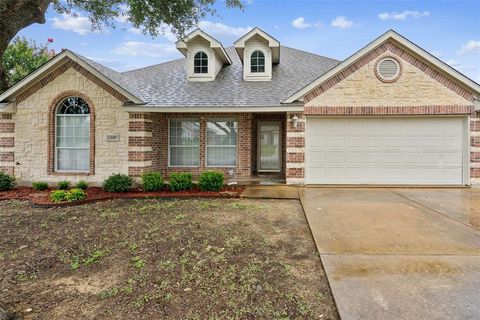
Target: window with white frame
(200,62)
(184,143)
(72,135)
(257,62)
(221,145)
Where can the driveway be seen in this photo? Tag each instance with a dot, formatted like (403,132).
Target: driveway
(399,253)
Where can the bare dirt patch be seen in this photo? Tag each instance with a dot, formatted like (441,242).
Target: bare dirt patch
(161,259)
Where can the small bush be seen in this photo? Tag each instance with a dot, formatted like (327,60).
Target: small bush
(58,196)
(76,194)
(7,182)
(152,181)
(82,185)
(180,181)
(67,196)
(40,186)
(211,181)
(63,185)
(118,183)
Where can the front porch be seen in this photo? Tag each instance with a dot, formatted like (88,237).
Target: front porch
(250,148)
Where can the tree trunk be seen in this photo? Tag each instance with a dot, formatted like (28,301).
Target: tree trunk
(16,15)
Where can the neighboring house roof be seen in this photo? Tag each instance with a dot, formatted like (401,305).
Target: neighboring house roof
(166,84)
(110,77)
(387,36)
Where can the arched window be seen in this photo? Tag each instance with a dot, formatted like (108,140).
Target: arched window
(72,135)
(257,62)
(200,62)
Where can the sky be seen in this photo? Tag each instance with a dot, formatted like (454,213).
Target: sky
(449,29)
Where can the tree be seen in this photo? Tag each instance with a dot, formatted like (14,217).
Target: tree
(150,16)
(22,57)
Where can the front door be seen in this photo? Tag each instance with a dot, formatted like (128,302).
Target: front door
(269,146)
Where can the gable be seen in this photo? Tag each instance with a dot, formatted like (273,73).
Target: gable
(419,84)
(40,83)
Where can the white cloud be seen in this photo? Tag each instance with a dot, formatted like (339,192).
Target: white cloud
(300,23)
(342,22)
(472,46)
(403,15)
(453,63)
(146,49)
(220,29)
(78,24)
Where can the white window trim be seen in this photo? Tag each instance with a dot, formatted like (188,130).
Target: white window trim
(169,153)
(230,146)
(264,63)
(55,167)
(204,74)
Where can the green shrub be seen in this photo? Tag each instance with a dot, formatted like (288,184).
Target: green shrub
(211,181)
(63,185)
(40,186)
(58,196)
(76,194)
(82,185)
(7,182)
(152,181)
(180,181)
(118,183)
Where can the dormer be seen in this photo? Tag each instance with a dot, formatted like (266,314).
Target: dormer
(205,56)
(258,51)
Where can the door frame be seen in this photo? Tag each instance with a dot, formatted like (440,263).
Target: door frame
(259,144)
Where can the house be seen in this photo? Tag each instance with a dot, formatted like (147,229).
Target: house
(390,114)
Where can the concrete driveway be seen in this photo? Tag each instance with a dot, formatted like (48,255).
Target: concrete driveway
(399,253)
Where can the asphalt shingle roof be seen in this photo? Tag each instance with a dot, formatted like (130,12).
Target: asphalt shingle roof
(166,84)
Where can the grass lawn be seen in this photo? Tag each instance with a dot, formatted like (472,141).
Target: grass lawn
(161,259)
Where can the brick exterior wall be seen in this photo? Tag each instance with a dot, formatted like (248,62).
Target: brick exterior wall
(7,143)
(140,144)
(475,148)
(159,143)
(295,153)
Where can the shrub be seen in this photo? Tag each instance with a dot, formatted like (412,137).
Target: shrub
(71,195)
(180,181)
(211,181)
(76,194)
(40,186)
(63,185)
(82,185)
(118,183)
(58,196)
(7,182)
(152,181)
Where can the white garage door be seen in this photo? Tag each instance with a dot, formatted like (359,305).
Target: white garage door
(385,151)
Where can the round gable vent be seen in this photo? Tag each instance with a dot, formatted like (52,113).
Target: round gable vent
(388,69)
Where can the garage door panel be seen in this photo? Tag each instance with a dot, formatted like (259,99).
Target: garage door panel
(384,151)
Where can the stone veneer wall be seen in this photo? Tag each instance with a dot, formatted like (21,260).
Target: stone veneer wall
(31,127)
(148,143)
(475,148)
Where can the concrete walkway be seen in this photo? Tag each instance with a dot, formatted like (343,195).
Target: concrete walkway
(271,192)
(398,253)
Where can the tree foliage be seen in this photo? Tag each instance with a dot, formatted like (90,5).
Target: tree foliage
(150,16)
(22,57)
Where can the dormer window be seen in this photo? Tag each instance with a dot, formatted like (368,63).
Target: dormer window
(205,56)
(259,52)
(200,62)
(257,62)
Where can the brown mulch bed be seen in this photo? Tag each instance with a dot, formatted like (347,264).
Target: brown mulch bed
(42,198)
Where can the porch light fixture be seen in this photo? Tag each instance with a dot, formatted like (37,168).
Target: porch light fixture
(295,121)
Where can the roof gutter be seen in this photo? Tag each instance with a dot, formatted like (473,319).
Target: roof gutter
(186,109)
